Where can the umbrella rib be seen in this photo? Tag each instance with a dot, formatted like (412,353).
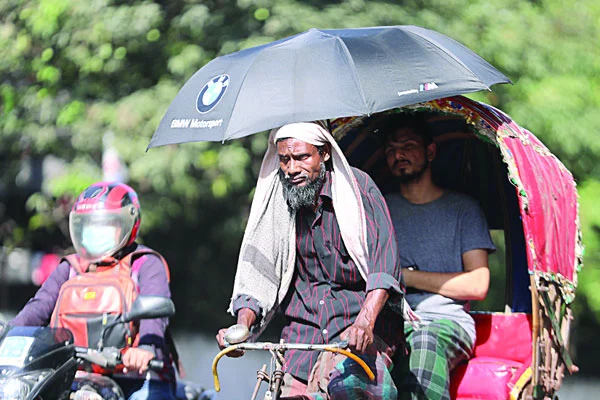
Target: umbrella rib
(225,135)
(354,72)
(449,53)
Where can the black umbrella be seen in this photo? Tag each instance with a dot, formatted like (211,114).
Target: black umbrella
(321,74)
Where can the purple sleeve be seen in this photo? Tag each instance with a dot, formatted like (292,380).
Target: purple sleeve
(153,280)
(38,310)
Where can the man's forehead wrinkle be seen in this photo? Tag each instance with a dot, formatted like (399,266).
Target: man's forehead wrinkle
(294,147)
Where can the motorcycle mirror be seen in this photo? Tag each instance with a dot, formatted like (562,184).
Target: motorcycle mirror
(148,307)
(144,307)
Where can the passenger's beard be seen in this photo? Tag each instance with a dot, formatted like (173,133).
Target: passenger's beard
(302,196)
(414,175)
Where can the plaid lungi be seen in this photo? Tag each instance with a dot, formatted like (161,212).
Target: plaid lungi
(434,350)
(337,377)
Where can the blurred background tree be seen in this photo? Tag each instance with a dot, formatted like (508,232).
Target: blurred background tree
(83,81)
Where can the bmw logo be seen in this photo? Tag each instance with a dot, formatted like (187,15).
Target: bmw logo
(211,93)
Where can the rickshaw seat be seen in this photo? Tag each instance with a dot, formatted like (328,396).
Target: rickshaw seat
(502,353)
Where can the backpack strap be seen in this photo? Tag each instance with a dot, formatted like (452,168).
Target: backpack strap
(139,252)
(78,266)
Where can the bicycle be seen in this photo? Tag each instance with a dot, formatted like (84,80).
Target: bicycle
(235,339)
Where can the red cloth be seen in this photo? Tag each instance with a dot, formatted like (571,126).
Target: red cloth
(502,352)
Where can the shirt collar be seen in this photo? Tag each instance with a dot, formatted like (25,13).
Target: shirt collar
(326,189)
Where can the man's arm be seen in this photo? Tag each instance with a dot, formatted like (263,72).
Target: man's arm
(384,266)
(246,309)
(245,316)
(384,272)
(360,334)
(152,280)
(38,310)
(471,284)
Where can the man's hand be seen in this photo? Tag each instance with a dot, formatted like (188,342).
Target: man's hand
(221,341)
(471,284)
(245,317)
(359,336)
(136,359)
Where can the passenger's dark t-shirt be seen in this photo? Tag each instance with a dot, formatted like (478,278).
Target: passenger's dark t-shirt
(434,237)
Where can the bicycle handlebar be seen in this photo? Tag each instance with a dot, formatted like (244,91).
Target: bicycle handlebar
(333,348)
(110,357)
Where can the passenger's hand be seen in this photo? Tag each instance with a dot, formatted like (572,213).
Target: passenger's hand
(136,359)
(221,341)
(359,336)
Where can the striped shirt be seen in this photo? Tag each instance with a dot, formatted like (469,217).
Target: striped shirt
(328,291)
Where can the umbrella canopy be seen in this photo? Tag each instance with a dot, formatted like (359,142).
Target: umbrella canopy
(321,74)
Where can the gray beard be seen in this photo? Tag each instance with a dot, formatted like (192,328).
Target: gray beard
(302,196)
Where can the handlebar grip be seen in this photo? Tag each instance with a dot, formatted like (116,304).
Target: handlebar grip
(156,365)
(216,362)
(79,349)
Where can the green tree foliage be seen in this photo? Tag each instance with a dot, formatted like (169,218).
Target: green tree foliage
(73,71)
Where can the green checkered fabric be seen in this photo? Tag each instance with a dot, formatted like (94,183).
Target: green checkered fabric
(337,377)
(349,381)
(434,350)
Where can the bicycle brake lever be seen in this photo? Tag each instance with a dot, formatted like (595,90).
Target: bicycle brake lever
(93,356)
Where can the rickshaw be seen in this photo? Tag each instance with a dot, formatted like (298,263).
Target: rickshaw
(530,198)
(530,201)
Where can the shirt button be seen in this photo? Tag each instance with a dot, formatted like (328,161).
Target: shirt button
(325,331)
(321,302)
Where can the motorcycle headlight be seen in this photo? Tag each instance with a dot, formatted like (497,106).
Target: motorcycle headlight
(14,389)
(83,394)
(18,387)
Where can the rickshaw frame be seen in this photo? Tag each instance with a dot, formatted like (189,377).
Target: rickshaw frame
(549,215)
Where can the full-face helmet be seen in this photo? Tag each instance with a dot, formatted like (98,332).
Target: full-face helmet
(104,219)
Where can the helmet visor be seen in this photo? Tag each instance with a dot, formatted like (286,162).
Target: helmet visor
(100,233)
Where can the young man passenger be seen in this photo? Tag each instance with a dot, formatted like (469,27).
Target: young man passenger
(443,243)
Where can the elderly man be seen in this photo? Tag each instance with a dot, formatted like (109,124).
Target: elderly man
(319,246)
(444,241)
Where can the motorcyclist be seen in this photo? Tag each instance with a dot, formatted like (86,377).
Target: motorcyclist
(103,225)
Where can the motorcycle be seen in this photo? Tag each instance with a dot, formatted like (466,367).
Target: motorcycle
(42,363)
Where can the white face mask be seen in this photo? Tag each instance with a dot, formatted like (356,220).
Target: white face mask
(98,240)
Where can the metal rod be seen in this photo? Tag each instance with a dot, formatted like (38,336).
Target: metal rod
(535,330)
(260,377)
